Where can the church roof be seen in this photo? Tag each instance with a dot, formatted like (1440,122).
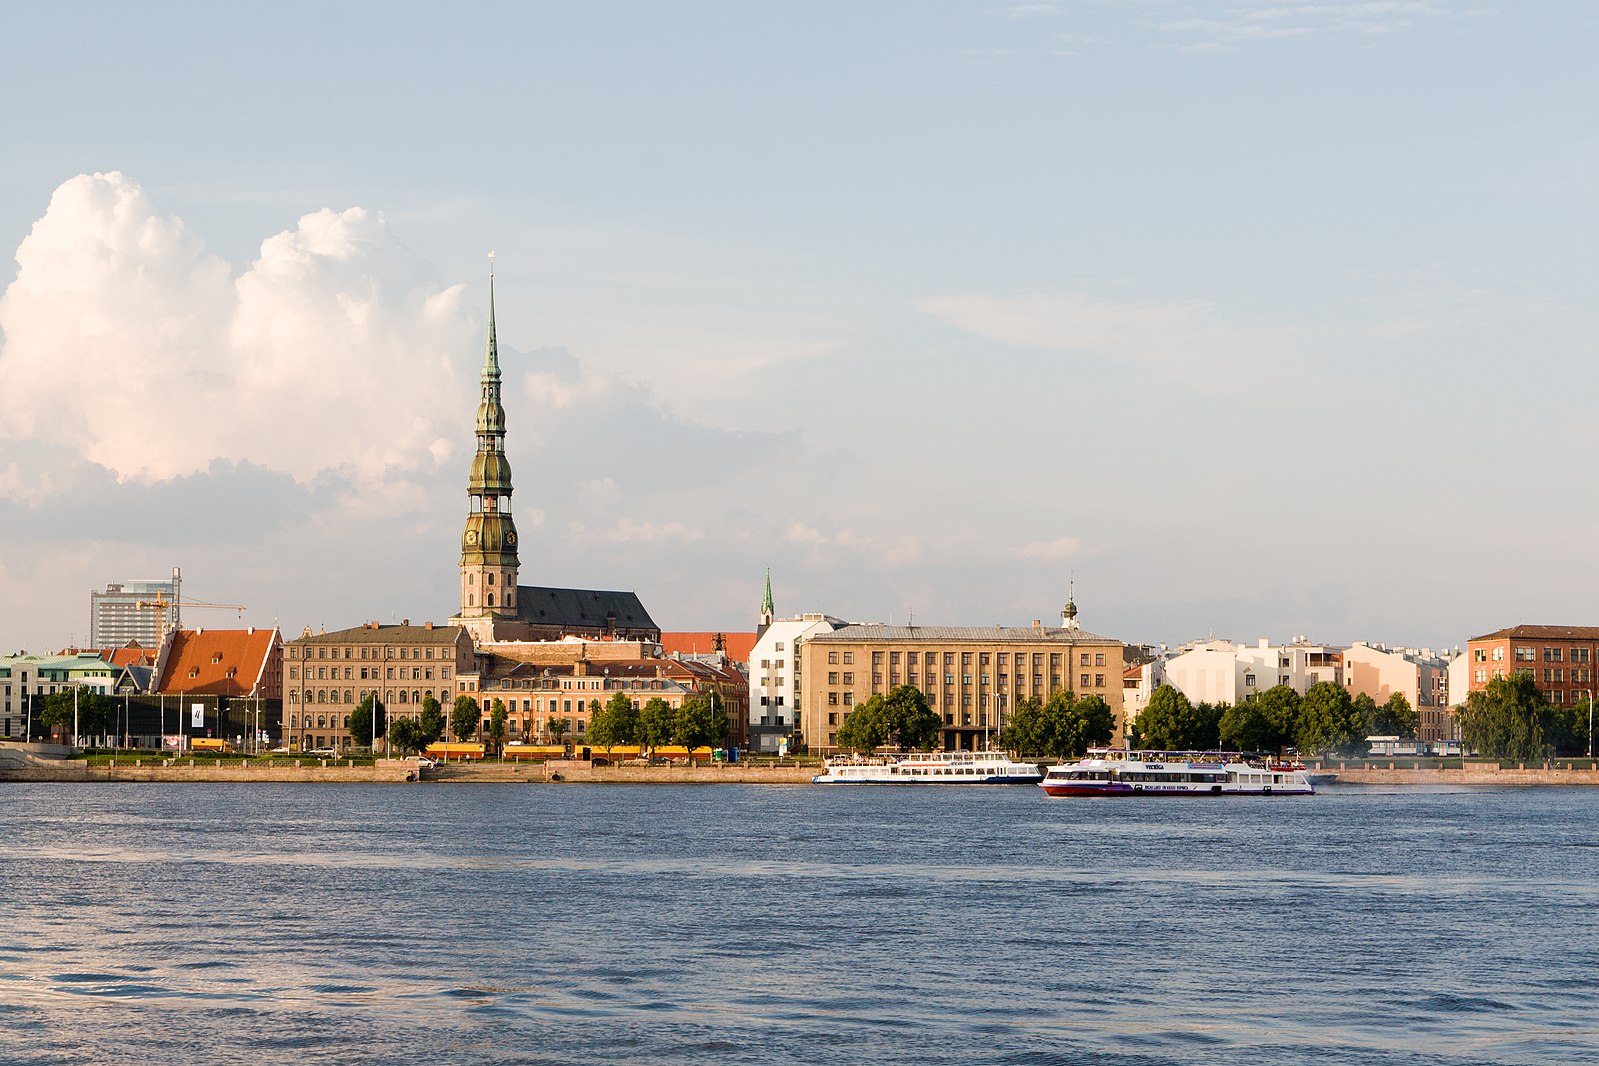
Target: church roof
(219,662)
(581,609)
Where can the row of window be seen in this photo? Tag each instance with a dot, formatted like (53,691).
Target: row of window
(364,651)
(333,695)
(930,658)
(1524,654)
(370,673)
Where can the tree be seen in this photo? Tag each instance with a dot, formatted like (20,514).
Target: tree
(1205,734)
(406,736)
(910,721)
(464,718)
(1082,722)
(1163,724)
(1397,718)
(558,728)
(1025,733)
(1327,721)
(94,712)
(866,727)
(655,722)
(1371,715)
(361,719)
(1280,707)
(614,723)
(431,721)
(1245,727)
(697,723)
(497,719)
(1510,719)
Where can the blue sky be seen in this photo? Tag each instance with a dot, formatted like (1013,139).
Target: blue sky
(1258,319)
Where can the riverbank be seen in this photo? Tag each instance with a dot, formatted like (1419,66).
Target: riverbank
(1488,774)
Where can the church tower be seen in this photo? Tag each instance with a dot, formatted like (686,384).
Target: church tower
(488,545)
(768,608)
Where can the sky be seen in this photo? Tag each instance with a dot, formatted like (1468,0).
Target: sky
(1241,319)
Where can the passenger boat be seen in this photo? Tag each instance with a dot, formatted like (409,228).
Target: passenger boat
(1118,772)
(929,768)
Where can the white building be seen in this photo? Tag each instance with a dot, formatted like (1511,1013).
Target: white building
(774,674)
(1219,671)
(1418,674)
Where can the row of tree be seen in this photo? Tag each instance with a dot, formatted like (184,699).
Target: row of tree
(1324,721)
(1064,727)
(902,716)
(1512,719)
(695,723)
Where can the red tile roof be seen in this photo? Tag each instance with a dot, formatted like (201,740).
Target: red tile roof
(130,654)
(736,646)
(220,662)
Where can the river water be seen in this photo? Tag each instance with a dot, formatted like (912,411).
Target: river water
(772,924)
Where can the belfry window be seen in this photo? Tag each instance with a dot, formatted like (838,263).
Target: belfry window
(490,601)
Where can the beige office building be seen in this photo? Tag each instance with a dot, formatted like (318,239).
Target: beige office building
(972,676)
(327,675)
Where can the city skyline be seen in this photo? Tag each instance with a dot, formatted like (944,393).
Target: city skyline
(1256,320)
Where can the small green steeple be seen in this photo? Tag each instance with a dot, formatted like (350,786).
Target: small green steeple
(768,608)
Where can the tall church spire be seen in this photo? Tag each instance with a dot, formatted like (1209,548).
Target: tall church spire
(489,561)
(768,608)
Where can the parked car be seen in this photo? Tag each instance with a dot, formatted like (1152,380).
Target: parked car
(425,763)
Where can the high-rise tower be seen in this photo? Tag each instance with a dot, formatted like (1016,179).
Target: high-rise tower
(488,545)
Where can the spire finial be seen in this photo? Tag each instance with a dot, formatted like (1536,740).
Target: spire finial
(768,607)
(491,353)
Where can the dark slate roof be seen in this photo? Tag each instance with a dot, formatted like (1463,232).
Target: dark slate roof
(581,609)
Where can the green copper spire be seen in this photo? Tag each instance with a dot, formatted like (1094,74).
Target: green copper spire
(491,354)
(768,608)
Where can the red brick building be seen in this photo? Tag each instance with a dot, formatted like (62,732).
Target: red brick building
(1560,659)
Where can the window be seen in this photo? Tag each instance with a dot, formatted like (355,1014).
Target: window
(1038,680)
(1083,681)
(1552,655)
(877,658)
(849,677)
(849,658)
(966,658)
(1479,655)
(832,658)
(832,718)
(1082,660)
(1525,655)
(849,699)
(832,699)
(1555,696)
(1099,658)
(949,679)
(1099,680)
(1499,655)
(780,645)
(832,677)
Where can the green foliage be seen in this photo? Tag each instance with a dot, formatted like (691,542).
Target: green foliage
(1245,727)
(1371,715)
(464,718)
(1165,722)
(558,728)
(698,722)
(95,712)
(361,719)
(1510,719)
(498,716)
(864,728)
(616,722)
(406,736)
(1063,727)
(655,722)
(911,723)
(902,715)
(431,720)
(1327,722)
(1177,725)
(1398,717)
(1280,707)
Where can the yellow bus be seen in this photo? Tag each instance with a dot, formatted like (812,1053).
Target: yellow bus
(442,750)
(213,744)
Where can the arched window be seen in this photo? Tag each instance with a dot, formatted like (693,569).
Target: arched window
(294,695)
(402,695)
(470,600)
(321,722)
(322,695)
(349,696)
(346,721)
(416,696)
(490,601)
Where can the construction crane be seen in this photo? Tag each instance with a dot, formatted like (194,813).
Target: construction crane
(161,603)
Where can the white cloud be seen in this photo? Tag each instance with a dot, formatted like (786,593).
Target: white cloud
(128,342)
(1283,21)
(1059,548)
(627,531)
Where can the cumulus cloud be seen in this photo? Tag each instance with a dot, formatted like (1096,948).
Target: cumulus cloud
(129,343)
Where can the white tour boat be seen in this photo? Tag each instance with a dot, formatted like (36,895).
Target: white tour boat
(1117,772)
(929,768)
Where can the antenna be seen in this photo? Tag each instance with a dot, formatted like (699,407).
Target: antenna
(491,264)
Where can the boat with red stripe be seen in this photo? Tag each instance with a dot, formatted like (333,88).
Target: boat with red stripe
(1123,772)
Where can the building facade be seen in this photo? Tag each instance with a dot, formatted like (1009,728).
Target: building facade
(143,611)
(972,677)
(25,681)
(327,675)
(1219,671)
(776,674)
(1418,675)
(1560,659)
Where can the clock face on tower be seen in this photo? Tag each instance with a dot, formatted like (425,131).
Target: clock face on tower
(510,537)
(471,536)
